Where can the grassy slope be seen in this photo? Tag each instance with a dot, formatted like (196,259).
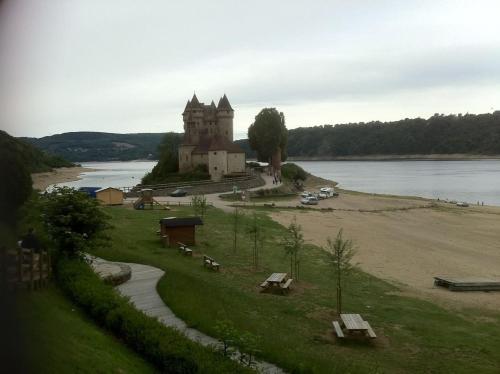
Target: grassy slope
(65,341)
(295,331)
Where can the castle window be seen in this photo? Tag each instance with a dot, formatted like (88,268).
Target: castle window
(187,158)
(215,167)
(215,153)
(226,132)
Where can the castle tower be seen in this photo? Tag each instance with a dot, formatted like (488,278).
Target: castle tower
(208,139)
(225,115)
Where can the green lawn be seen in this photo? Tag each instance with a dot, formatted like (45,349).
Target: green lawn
(295,331)
(63,340)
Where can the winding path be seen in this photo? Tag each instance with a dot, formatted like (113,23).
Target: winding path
(141,289)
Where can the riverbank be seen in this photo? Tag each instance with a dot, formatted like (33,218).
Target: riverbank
(431,157)
(43,180)
(409,240)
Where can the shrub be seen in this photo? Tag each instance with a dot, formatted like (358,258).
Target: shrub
(166,348)
(73,220)
(293,172)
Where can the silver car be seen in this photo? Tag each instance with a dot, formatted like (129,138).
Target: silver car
(311,200)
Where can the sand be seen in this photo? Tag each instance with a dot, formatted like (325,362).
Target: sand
(409,241)
(43,180)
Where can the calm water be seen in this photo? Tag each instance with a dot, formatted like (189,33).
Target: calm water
(469,181)
(112,174)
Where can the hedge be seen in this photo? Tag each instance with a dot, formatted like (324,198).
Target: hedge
(168,349)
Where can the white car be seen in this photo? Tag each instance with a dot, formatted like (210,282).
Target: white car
(311,200)
(305,194)
(328,191)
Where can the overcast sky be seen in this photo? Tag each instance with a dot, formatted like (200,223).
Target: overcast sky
(130,66)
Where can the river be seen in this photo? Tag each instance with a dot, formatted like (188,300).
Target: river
(471,181)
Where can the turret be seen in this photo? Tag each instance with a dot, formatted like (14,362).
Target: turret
(225,115)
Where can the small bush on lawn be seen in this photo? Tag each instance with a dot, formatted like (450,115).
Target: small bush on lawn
(165,347)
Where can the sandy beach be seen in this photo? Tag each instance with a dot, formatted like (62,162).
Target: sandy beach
(408,241)
(43,180)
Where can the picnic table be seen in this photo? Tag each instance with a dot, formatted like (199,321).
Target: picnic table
(352,323)
(277,280)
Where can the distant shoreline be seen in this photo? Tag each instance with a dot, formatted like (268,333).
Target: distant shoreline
(431,157)
(43,180)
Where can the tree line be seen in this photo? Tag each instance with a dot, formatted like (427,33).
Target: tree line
(439,134)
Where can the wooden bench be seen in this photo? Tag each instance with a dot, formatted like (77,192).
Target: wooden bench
(286,286)
(264,284)
(210,262)
(338,329)
(184,249)
(369,330)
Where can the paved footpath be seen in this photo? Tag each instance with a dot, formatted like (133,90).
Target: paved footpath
(141,289)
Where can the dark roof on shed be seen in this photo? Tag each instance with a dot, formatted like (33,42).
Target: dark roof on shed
(180,222)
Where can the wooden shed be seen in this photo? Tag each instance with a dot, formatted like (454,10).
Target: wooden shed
(179,230)
(110,196)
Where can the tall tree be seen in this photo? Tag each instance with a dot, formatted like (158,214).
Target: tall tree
(268,134)
(341,252)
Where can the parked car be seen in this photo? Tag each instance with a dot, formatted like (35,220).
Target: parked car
(328,191)
(463,204)
(178,193)
(305,194)
(311,200)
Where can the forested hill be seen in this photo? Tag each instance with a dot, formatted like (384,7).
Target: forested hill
(100,146)
(34,159)
(440,134)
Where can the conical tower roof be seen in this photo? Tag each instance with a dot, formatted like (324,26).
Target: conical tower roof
(188,106)
(194,102)
(224,103)
(212,105)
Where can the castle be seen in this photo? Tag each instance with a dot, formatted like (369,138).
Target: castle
(208,139)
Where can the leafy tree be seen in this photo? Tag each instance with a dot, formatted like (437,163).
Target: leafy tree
(293,172)
(268,134)
(199,204)
(168,162)
(227,335)
(341,252)
(73,220)
(293,242)
(249,345)
(15,175)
